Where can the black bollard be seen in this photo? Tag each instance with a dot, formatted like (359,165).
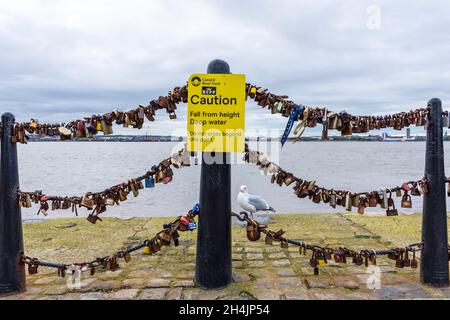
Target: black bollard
(213,260)
(434,256)
(12,270)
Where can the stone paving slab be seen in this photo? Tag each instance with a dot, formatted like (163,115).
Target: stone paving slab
(259,271)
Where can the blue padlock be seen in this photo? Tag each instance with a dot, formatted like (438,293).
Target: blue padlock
(192,225)
(149,182)
(196,209)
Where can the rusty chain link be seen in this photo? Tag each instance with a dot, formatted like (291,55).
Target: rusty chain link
(347,199)
(307,117)
(163,238)
(321,255)
(98,201)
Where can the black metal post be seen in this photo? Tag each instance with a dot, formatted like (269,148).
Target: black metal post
(434,256)
(12,270)
(213,261)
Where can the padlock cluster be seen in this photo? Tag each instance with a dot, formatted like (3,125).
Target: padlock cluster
(88,127)
(309,189)
(165,237)
(308,117)
(99,201)
(347,124)
(170,233)
(404,256)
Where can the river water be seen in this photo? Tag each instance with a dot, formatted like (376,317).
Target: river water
(73,168)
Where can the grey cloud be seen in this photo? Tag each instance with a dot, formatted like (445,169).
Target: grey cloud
(67,60)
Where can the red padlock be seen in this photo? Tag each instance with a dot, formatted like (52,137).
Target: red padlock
(184,220)
(405,187)
(167,179)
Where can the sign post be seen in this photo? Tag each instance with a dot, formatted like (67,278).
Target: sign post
(216,110)
(434,256)
(12,270)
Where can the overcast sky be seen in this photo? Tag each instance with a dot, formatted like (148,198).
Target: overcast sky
(61,60)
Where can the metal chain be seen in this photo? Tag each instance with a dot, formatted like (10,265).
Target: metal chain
(321,255)
(307,116)
(361,200)
(163,238)
(98,201)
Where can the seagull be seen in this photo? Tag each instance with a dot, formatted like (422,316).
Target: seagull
(252,203)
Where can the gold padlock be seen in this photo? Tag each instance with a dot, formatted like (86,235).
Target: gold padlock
(107,128)
(99,126)
(406,201)
(348,202)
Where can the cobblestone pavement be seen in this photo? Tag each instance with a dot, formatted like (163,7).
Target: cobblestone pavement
(259,271)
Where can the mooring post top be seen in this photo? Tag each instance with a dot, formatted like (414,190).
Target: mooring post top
(435,101)
(7,116)
(218,66)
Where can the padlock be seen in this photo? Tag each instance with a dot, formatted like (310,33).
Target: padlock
(155,245)
(109,201)
(391,212)
(268,240)
(424,186)
(62,271)
(320,258)
(80,129)
(333,200)
(196,209)
(390,203)
(192,225)
(122,194)
(284,244)
(92,270)
(43,208)
(107,128)
(64,133)
(414,261)
(165,239)
(127,257)
(361,205)
(348,202)
(383,198)
(98,126)
(399,261)
(112,264)
(27,201)
(406,260)
(289,179)
(358,259)
(253,232)
(373,200)
(147,249)
(406,201)
(338,257)
(184,220)
(355,200)
(405,187)
(32,268)
(313,261)
(87,202)
(92,218)
(132,187)
(415,190)
(149,182)
(373,258)
(167,179)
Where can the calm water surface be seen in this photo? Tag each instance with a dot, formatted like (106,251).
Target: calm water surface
(74,168)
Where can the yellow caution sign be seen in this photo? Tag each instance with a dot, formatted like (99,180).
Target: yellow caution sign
(216,113)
